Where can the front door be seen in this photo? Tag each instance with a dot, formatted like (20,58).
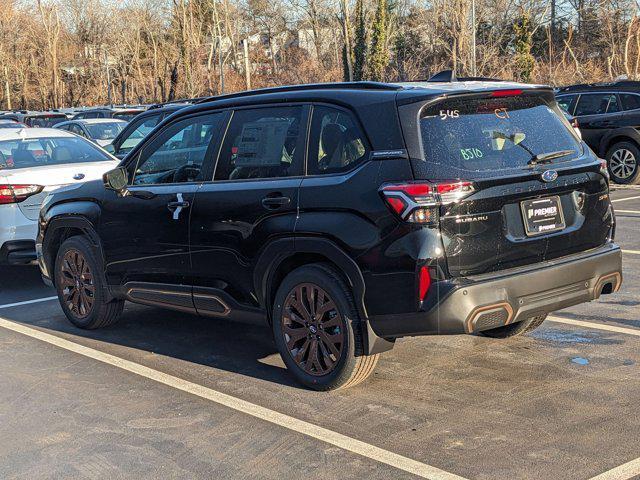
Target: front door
(597,113)
(252,200)
(146,232)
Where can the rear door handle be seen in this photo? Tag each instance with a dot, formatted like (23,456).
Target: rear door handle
(275,202)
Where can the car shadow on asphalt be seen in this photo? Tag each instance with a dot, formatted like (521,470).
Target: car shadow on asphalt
(19,283)
(229,345)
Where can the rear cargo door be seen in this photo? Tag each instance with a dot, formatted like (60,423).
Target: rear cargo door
(538,193)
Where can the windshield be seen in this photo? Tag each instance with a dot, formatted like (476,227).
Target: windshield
(478,137)
(40,152)
(141,131)
(45,121)
(105,131)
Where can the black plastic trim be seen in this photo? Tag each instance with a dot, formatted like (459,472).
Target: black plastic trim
(529,291)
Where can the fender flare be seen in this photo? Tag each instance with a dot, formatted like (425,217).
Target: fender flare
(277,251)
(624,133)
(65,220)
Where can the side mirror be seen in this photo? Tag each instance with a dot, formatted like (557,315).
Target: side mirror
(110,148)
(116,180)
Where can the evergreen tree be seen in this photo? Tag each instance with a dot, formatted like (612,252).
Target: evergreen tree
(379,57)
(360,44)
(524,60)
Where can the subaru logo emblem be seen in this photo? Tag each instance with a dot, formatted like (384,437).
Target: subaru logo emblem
(80,176)
(549,175)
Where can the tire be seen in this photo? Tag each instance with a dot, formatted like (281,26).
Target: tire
(515,329)
(78,270)
(339,362)
(623,162)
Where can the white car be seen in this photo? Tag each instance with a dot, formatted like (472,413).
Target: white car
(100,130)
(33,162)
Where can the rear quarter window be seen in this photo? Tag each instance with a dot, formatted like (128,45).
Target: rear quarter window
(482,137)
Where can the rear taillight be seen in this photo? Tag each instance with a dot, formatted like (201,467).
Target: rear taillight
(419,202)
(17,193)
(576,127)
(603,168)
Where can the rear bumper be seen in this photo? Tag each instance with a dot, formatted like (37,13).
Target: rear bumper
(18,252)
(488,301)
(17,236)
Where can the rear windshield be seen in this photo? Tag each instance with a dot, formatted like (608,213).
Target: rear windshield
(474,138)
(40,152)
(45,121)
(105,131)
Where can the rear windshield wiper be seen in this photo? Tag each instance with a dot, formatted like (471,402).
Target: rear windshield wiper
(547,157)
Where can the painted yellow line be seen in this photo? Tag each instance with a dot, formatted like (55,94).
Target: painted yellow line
(623,472)
(300,426)
(625,199)
(632,252)
(597,326)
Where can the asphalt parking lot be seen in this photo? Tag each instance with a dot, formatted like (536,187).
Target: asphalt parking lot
(167,395)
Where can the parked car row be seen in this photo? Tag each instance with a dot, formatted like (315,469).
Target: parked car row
(45,119)
(608,115)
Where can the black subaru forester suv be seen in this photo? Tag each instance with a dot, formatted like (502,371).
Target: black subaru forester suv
(346,215)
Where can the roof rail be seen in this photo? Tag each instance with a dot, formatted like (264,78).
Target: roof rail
(365,85)
(176,101)
(618,83)
(480,79)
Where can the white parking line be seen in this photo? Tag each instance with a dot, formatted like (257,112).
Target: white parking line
(624,199)
(300,426)
(632,252)
(627,211)
(597,326)
(27,302)
(623,472)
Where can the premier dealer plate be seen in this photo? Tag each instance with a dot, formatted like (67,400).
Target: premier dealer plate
(542,215)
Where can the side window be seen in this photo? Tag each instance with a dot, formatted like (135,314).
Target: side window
(262,143)
(337,144)
(141,130)
(614,105)
(178,153)
(595,103)
(630,101)
(77,130)
(567,102)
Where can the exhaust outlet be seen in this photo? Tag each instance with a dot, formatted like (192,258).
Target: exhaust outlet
(609,283)
(489,316)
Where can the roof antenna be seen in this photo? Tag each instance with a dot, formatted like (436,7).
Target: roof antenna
(444,76)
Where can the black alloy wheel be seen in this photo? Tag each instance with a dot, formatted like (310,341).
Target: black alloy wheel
(312,327)
(76,282)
